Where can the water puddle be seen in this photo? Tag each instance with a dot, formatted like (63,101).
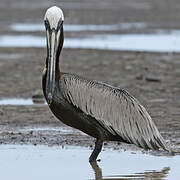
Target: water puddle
(22,41)
(19,102)
(129,42)
(42,162)
(169,42)
(27,27)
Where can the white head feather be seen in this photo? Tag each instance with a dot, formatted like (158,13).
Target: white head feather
(54,14)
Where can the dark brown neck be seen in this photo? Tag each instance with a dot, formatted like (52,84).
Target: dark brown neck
(58,72)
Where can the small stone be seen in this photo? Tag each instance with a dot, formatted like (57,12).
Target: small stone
(38,94)
(128,67)
(1,112)
(38,97)
(151,78)
(91,146)
(139,76)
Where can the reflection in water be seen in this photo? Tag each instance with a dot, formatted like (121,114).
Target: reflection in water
(147,175)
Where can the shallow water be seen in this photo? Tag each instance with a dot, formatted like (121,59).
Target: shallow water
(130,42)
(78,27)
(42,162)
(19,102)
(22,41)
(169,42)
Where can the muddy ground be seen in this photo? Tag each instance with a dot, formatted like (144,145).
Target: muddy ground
(153,78)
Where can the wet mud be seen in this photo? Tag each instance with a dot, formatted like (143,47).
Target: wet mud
(153,78)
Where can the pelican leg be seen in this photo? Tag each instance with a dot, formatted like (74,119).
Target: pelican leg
(96,151)
(97,170)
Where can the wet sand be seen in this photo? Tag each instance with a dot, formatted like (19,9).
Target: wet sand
(153,78)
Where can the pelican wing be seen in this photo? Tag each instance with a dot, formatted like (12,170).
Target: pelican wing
(118,111)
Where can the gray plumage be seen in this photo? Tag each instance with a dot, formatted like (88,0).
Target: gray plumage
(114,108)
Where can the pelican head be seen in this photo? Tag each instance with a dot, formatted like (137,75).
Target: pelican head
(53,21)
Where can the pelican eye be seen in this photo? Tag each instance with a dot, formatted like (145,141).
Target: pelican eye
(60,23)
(46,22)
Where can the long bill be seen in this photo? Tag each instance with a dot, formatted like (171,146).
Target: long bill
(52,45)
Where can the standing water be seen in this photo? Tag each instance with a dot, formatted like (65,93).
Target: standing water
(42,162)
(127,42)
(28,27)
(158,41)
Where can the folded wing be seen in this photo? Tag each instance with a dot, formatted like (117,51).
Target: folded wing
(118,111)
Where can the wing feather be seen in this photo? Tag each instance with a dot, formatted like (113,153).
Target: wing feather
(118,111)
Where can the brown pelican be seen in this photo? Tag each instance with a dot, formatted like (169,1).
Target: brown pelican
(98,109)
